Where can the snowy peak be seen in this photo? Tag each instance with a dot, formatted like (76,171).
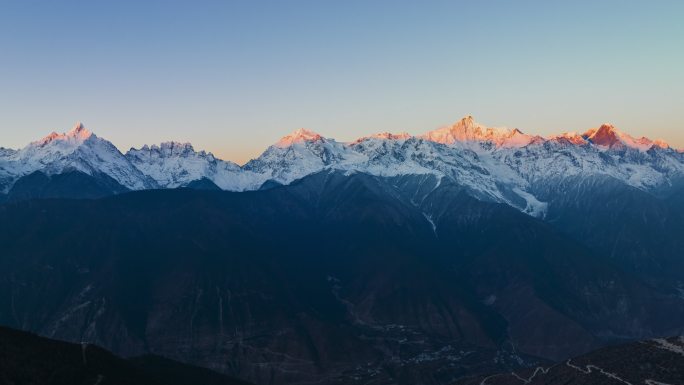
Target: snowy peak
(175,164)
(608,136)
(298,136)
(77,149)
(79,131)
(661,144)
(570,138)
(390,136)
(297,155)
(77,135)
(467,130)
(468,122)
(170,149)
(47,139)
(385,136)
(515,138)
(464,130)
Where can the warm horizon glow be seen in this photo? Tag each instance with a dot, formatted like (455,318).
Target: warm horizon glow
(234,77)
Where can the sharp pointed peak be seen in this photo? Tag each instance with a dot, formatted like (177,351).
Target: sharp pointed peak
(606,135)
(303,132)
(602,129)
(468,130)
(467,121)
(608,127)
(78,127)
(516,131)
(609,136)
(298,136)
(79,130)
(77,133)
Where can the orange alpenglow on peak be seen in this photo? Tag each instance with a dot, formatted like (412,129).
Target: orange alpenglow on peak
(298,136)
(661,143)
(389,135)
(77,128)
(609,136)
(468,130)
(78,133)
(606,135)
(385,136)
(571,137)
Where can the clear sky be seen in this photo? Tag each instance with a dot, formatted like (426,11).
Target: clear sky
(234,76)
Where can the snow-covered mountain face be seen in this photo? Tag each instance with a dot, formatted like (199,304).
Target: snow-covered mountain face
(173,164)
(494,164)
(497,164)
(641,163)
(75,150)
(467,132)
(300,154)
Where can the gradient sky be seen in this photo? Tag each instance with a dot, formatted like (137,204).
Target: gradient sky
(234,76)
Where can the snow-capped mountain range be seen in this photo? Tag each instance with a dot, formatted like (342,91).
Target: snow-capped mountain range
(78,149)
(497,164)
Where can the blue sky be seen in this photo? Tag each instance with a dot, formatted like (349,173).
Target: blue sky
(234,76)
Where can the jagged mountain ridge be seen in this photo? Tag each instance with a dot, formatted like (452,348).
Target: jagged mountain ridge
(173,164)
(494,164)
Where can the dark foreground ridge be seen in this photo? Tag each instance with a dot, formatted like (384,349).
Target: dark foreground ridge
(27,359)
